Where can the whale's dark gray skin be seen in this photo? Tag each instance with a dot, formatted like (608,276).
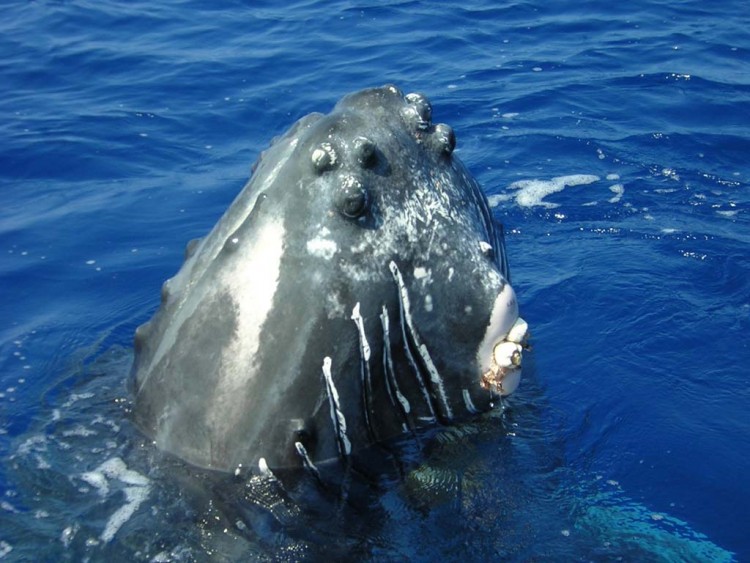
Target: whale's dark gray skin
(357,289)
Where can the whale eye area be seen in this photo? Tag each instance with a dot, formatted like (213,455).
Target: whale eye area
(352,199)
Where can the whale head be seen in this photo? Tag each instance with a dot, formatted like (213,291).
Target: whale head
(357,289)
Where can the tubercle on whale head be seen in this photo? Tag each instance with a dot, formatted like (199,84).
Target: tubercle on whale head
(344,155)
(415,111)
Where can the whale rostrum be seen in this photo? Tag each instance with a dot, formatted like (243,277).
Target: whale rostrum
(357,289)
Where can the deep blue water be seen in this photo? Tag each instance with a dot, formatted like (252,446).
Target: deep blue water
(128,128)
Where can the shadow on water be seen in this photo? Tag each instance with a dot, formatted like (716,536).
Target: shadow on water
(87,486)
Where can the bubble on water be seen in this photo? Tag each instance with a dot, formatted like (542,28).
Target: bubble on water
(68,534)
(134,496)
(8,507)
(5,548)
(618,190)
(657,517)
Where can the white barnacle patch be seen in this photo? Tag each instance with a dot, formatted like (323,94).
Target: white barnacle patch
(519,332)
(428,303)
(324,156)
(334,305)
(337,417)
(322,246)
(350,182)
(423,275)
(503,317)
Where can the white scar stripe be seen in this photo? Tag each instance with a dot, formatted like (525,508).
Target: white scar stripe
(337,417)
(364,350)
(388,359)
(306,461)
(421,348)
(469,403)
(357,318)
(409,355)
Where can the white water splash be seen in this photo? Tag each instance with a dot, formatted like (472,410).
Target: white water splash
(531,193)
(135,493)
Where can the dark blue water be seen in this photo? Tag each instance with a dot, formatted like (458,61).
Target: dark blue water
(613,141)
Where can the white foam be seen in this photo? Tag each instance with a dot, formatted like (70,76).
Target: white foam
(97,480)
(67,535)
(727,212)
(115,468)
(137,491)
(134,496)
(618,190)
(531,193)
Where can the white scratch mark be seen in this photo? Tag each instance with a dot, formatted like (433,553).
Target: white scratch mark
(306,458)
(469,403)
(337,417)
(421,348)
(385,320)
(357,318)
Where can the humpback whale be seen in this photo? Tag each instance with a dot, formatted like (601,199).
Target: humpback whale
(356,290)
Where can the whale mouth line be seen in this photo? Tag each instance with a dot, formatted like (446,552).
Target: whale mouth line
(504,372)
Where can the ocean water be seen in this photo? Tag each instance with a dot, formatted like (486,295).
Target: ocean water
(613,141)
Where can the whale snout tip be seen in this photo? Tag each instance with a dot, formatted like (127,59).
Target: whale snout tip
(501,374)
